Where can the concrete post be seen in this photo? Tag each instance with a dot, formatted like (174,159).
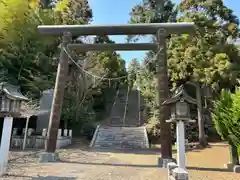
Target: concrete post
(139,106)
(181,145)
(5,143)
(59,133)
(70,136)
(70,133)
(14,131)
(44,132)
(59,140)
(25,133)
(65,132)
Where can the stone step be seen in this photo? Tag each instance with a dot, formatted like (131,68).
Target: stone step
(119,139)
(121,135)
(121,130)
(135,133)
(120,142)
(119,146)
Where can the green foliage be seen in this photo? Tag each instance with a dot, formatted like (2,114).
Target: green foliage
(207,57)
(222,113)
(226,116)
(149,11)
(29,59)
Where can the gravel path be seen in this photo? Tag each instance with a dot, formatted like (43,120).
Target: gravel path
(79,163)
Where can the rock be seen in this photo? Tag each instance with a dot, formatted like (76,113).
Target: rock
(236,168)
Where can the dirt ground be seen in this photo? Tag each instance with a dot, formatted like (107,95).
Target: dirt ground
(82,163)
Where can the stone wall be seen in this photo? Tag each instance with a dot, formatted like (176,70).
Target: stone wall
(39,142)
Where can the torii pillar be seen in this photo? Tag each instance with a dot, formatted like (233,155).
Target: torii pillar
(163,94)
(58,96)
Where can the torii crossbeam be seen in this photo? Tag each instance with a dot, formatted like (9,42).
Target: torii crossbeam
(161,30)
(118,29)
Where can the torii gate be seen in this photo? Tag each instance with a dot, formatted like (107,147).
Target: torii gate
(161,30)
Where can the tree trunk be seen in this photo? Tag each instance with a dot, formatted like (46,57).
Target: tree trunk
(234,159)
(201,135)
(163,94)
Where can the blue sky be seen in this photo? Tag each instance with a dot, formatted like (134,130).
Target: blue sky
(117,12)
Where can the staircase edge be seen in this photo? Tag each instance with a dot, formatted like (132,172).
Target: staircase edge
(146,136)
(94,136)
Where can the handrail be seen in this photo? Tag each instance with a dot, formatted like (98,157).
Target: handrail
(126,104)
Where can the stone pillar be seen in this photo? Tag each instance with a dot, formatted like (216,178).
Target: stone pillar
(14,131)
(70,133)
(59,139)
(65,132)
(70,136)
(181,145)
(44,132)
(5,143)
(163,94)
(58,96)
(59,134)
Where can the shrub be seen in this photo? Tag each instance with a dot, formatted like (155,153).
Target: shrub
(88,130)
(226,116)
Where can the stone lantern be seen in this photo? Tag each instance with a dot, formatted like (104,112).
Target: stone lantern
(10,102)
(180,113)
(180,105)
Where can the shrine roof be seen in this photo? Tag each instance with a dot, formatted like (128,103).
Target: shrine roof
(12,91)
(180,93)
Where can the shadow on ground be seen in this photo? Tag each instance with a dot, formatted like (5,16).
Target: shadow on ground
(151,151)
(111,164)
(43,177)
(208,169)
(53,178)
(144,166)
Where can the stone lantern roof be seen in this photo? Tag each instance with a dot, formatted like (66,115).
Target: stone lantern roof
(12,92)
(178,94)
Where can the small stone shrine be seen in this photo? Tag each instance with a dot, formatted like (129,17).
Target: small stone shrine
(10,103)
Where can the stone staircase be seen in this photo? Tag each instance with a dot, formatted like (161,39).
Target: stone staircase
(120,132)
(120,137)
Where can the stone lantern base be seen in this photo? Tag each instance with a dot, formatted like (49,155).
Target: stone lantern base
(163,162)
(45,157)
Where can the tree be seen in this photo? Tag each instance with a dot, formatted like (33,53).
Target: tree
(133,72)
(207,57)
(26,55)
(150,11)
(31,58)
